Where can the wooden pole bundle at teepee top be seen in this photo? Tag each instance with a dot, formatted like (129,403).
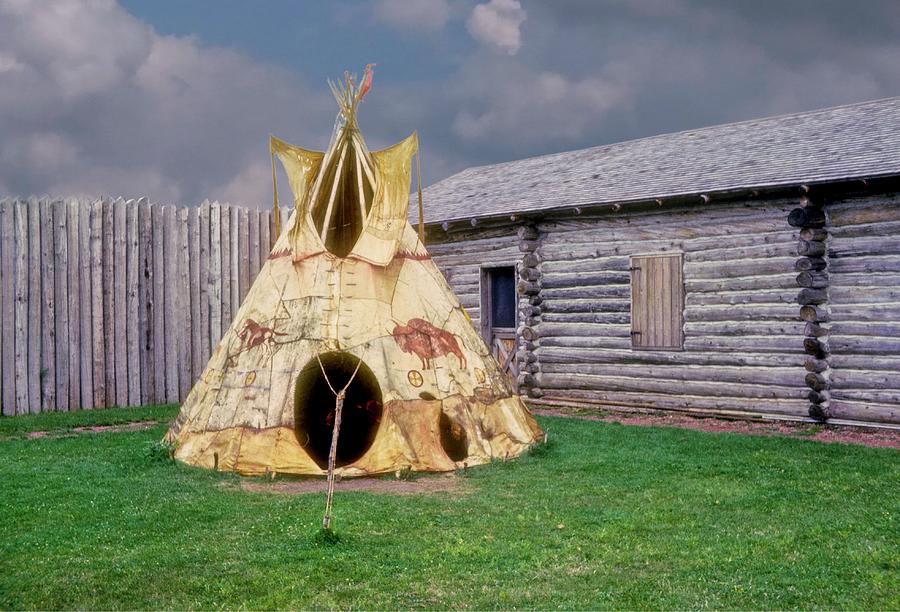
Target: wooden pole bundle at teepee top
(346,138)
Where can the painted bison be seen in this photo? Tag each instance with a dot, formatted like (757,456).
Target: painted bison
(253,334)
(427,342)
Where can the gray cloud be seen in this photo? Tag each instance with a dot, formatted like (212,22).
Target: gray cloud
(414,14)
(94,101)
(498,23)
(590,73)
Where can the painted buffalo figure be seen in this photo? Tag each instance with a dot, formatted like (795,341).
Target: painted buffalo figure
(253,334)
(426,341)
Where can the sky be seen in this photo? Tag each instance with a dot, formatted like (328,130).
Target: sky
(174,99)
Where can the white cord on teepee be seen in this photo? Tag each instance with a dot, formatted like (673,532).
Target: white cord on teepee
(332,453)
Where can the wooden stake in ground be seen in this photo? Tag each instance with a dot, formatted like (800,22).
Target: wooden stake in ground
(329,495)
(335,432)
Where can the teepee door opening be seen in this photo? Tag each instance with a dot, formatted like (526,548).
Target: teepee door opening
(314,405)
(498,311)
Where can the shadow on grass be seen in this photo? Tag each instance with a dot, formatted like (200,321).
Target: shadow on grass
(328,538)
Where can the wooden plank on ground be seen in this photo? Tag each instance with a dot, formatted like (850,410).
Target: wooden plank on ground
(203,222)
(2,200)
(7,306)
(172,325)
(111,330)
(73,268)
(86,399)
(226,267)
(132,311)
(254,245)
(185,380)
(61,292)
(193,228)
(265,236)
(235,263)
(20,244)
(109,301)
(215,275)
(272,232)
(243,252)
(48,308)
(145,302)
(159,302)
(120,299)
(35,299)
(98,324)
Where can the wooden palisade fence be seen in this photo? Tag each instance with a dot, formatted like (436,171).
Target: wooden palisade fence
(117,302)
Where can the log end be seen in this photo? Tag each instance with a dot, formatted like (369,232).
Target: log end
(812,297)
(797,217)
(816,382)
(815,347)
(813,364)
(529,334)
(818,411)
(813,314)
(526,380)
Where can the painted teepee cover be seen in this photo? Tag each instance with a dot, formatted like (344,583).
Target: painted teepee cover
(350,280)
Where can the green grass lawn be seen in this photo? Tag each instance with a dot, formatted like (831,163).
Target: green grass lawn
(605,516)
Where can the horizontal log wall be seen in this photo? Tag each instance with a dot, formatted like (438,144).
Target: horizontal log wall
(117,302)
(462,255)
(863,343)
(799,320)
(743,338)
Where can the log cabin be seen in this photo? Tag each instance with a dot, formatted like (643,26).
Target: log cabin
(748,270)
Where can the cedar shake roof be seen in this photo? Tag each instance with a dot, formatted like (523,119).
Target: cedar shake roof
(845,142)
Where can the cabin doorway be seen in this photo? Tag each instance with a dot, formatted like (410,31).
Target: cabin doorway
(499,306)
(314,406)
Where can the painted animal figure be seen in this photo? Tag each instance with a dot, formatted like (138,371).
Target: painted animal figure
(426,341)
(253,334)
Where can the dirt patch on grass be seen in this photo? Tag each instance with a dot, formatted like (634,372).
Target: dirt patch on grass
(810,431)
(133,426)
(420,485)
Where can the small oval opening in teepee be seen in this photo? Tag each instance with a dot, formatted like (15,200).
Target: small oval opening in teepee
(314,408)
(453,438)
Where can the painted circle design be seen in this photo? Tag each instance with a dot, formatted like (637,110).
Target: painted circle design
(415,378)
(251,376)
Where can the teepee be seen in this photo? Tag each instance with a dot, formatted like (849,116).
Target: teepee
(349,297)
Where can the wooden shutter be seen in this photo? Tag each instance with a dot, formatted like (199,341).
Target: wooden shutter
(657,301)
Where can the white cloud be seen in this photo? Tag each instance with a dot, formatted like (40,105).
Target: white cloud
(94,102)
(429,15)
(8,63)
(517,107)
(50,151)
(498,23)
(247,186)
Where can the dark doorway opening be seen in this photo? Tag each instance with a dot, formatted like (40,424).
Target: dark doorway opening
(503,297)
(314,405)
(499,305)
(453,438)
